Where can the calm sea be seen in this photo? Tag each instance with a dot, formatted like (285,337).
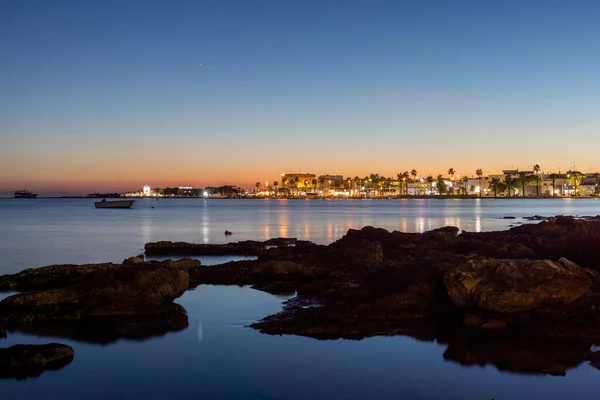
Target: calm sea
(217,357)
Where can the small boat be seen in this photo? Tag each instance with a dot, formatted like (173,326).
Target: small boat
(25,194)
(114,204)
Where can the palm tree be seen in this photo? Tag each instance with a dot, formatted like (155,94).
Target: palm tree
(430,182)
(441,185)
(575,178)
(553,176)
(451,172)
(257,184)
(276,185)
(296,180)
(405,176)
(414,174)
(508,181)
(524,179)
(536,169)
(494,184)
(399,176)
(314,183)
(479,174)
(357,184)
(465,180)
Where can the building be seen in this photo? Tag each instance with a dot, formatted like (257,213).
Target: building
(146,191)
(328,182)
(185,191)
(299,182)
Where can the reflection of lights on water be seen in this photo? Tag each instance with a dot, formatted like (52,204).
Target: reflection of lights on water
(205,230)
(477,224)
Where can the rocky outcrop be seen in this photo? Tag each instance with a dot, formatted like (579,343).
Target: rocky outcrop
(134,260)
(244,248)
(55,276)
(147,288)
(534,282)
(25,361)
(371,281)
(127,291)
(509,286)
(51,276)
(108,329)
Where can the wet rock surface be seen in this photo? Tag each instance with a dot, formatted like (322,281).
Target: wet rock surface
(532,282)
(244,248)
(26,361)
(147,288)
(109,329)
(525,290)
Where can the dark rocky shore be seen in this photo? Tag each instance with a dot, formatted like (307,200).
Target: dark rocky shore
(27,361)
(526,299)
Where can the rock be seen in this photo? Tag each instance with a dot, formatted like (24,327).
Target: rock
(472,319)
(51,276)
(134,260)
(109,329)
(228,233)
(25,361)
(244,248)
(363,254)
(494,324)
(2,332)
(509,217)
(508,286)
(144,289)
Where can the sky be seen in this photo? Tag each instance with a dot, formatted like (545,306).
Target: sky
(111,95)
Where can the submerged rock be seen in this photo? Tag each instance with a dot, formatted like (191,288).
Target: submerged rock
(25,361)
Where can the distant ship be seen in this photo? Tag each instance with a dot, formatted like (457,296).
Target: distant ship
(25,194)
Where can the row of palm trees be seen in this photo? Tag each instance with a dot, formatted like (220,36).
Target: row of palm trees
(380,184)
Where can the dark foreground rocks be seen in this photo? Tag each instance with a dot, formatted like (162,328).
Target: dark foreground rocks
(526,290)
(245,248)
(26,361)
(95,291)
(532,283)
(109,329)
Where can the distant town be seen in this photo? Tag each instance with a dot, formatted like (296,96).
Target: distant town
(509,183)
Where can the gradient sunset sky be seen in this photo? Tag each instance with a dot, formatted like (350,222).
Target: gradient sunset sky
(112,95)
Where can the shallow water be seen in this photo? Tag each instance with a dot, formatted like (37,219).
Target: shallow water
(217,356)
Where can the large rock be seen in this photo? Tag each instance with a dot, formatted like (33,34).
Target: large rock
(131,290)
(244,248)
(55,276)
(51,276)
(24,361)
(109,329)
(509,286)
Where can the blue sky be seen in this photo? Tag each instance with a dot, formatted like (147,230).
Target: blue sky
(112,94)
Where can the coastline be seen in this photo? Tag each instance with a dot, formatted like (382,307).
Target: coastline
(316,198)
